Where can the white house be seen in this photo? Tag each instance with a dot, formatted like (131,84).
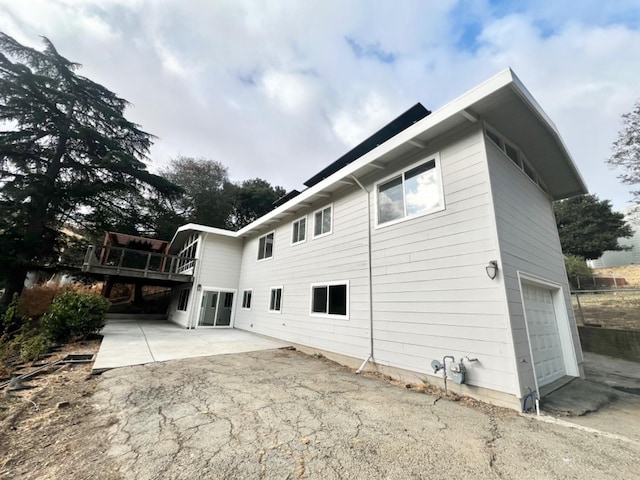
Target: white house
(440,241)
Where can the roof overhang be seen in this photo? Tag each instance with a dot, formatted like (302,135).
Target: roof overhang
(183,232)
(502,101)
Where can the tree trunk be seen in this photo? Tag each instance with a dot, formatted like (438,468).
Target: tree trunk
(15,284)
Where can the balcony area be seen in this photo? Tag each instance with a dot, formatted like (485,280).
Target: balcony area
(129,265)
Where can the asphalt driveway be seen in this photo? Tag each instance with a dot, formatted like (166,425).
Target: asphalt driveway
(282,414)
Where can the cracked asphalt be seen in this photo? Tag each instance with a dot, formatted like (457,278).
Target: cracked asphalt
(284,415)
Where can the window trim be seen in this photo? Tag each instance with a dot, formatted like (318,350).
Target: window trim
(244,292)
(189,249)
(329,206)
(400,173)
(272,232)
(330,315)
(186,299)
(304,217)
(271,290)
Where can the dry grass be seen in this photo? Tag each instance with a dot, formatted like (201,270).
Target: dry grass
(631,274)
(616,309)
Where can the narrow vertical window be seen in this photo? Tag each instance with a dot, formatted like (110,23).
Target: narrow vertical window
(275,300)
(265,246)
(246,299)
(299,231)
(183,299)
(322,221)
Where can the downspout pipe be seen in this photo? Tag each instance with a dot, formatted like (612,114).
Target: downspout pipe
(370,357)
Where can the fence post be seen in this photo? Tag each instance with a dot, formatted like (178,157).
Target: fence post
(579,307)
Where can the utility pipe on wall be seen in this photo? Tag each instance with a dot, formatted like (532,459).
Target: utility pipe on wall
(370,357)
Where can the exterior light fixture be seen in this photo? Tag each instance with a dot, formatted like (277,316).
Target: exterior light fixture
(492,269)
(200,286)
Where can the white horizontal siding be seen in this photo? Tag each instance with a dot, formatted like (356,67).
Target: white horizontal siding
(432,296)
(341,256)
(220,259)
(529,242)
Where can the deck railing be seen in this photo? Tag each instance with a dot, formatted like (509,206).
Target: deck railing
(126,260)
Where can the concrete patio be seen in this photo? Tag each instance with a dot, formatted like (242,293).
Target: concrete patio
(135,341)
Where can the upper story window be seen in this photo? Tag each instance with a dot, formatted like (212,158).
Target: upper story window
(299,231)
(188,253)
(265,246)
(322,221)
(516,156)
(414,192)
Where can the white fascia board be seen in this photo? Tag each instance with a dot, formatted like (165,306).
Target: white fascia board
(203,228)
(535,107)
(449,110)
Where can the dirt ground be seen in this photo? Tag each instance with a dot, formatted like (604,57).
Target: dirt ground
(51,429)
(281,414)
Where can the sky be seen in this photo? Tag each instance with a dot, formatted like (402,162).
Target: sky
(279,89)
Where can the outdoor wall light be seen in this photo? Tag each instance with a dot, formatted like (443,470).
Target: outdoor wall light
(200,286)
(492,269)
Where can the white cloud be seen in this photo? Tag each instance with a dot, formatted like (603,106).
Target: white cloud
(272,88)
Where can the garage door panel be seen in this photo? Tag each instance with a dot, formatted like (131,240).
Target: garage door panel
(543,331)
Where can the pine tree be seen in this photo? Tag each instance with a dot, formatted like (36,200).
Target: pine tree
(65,149)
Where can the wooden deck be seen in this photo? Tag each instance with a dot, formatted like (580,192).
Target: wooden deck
(127,264)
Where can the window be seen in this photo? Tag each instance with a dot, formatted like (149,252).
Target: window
(516,157)
(275,302)
(228,300)
(322,221)
(299,231)
(183,299)
(246,299)
(265,246)
(415,192)
(330,299)
(187,254)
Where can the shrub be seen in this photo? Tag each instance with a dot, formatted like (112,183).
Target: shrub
(73,315)
(32,348)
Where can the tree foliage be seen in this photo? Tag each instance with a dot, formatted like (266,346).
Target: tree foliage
(626,149)
(66,151)
(588,226)
(210,198)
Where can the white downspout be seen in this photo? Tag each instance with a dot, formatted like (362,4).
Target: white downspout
(370,357)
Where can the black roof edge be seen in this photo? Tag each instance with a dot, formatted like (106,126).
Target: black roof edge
(391,129)
(285,198)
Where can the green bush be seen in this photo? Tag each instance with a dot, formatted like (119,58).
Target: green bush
(74,315)
(32,348)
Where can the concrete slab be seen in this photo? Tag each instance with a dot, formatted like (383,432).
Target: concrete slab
(135,342)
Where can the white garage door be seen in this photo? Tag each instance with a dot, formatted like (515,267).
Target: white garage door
(543,334)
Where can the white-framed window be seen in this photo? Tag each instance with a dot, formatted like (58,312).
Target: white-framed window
(187,253)
(275,300)
(330,299)
(183,299)
(412,193)
(246,299)
(265,246)
(299,231)
(516,156)
(323,221)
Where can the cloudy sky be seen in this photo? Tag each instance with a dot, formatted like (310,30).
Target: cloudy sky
(278,89)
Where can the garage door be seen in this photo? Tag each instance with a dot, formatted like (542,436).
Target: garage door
(543,334)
